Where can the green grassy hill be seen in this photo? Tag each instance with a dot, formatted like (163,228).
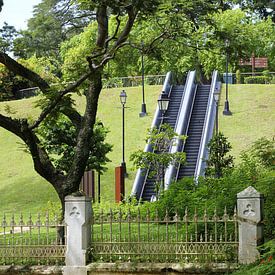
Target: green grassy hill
(22,190)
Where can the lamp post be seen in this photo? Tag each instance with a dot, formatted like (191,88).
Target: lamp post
(226,110)
(163,103)
(216,98)
(143,105)
(123,97)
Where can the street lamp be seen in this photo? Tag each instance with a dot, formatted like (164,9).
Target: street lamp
(226,110)
(216,98)
(163,103)
(123,97)
(143,105)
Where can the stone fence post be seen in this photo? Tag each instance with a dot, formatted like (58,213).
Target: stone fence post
(250,216)
(78,213)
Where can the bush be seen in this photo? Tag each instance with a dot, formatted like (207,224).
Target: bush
(265,266)
(238,77)
(256,80)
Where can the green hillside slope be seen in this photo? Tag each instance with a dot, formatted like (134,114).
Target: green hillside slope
(22,190)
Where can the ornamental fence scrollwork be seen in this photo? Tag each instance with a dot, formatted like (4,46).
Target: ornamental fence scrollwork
(33,242)
(152,237)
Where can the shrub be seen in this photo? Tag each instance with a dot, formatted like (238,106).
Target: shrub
(238,77)
(256,80)
(218,161)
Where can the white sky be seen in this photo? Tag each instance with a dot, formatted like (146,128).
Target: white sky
(17,12)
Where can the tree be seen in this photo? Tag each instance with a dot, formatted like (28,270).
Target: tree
(53,22)
(218,161)
(161,139)
(8,34)
(264,8)
(57,99)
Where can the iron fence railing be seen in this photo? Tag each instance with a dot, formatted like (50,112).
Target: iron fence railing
(144,237)
(33,242)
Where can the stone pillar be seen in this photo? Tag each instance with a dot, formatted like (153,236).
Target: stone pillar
(250,216)
(78,213)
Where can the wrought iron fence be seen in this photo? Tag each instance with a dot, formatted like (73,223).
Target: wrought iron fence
(147,237)
(33,242)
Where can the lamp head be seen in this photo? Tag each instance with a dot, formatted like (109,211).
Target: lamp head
(123,97)
(163,102)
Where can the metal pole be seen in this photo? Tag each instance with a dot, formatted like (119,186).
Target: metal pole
(217,116)
(142,77)
(226,110)
(143,105)
(123,164)
(98,187)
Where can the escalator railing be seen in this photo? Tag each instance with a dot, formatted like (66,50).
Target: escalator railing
(182,122)
(139,182)
(208,127)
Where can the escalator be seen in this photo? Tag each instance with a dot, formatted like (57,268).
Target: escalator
(191,112)
(194,133)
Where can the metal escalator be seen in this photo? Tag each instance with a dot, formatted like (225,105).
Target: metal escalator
(191,112)
(194,133)
(175,95)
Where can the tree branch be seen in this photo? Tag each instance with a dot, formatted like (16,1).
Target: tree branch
(19,69)
(116,31)
(130,22)
(54,103)
(42,163)
(102,31)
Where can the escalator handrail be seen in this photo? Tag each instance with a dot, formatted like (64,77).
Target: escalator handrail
(189,119)
(139,179)
(207,127)
(152,150)
(182,122)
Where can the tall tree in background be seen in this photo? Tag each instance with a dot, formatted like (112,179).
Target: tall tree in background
(264,8)
(53,22)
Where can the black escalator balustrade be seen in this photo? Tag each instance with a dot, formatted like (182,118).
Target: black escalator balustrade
(170,118)
(194,133)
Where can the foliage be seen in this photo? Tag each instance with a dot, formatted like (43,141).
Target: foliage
(7,36)
(218,162)
(52,23)
(263,150)
(266,186)
(161,139)
(257,79)
(265,266)
(10,84)
(238,77)
(58,136)
(74,51)
(46,67)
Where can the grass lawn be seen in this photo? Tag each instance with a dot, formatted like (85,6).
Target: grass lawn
(22,190)
(253,115)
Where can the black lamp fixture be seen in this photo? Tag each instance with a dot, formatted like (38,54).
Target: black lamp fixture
(123,98)
(163,103)
(226,110)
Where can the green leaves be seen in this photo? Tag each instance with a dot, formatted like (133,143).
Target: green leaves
(58,137)
(218,161)
(161,139)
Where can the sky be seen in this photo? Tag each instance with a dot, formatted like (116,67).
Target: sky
(17,12)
